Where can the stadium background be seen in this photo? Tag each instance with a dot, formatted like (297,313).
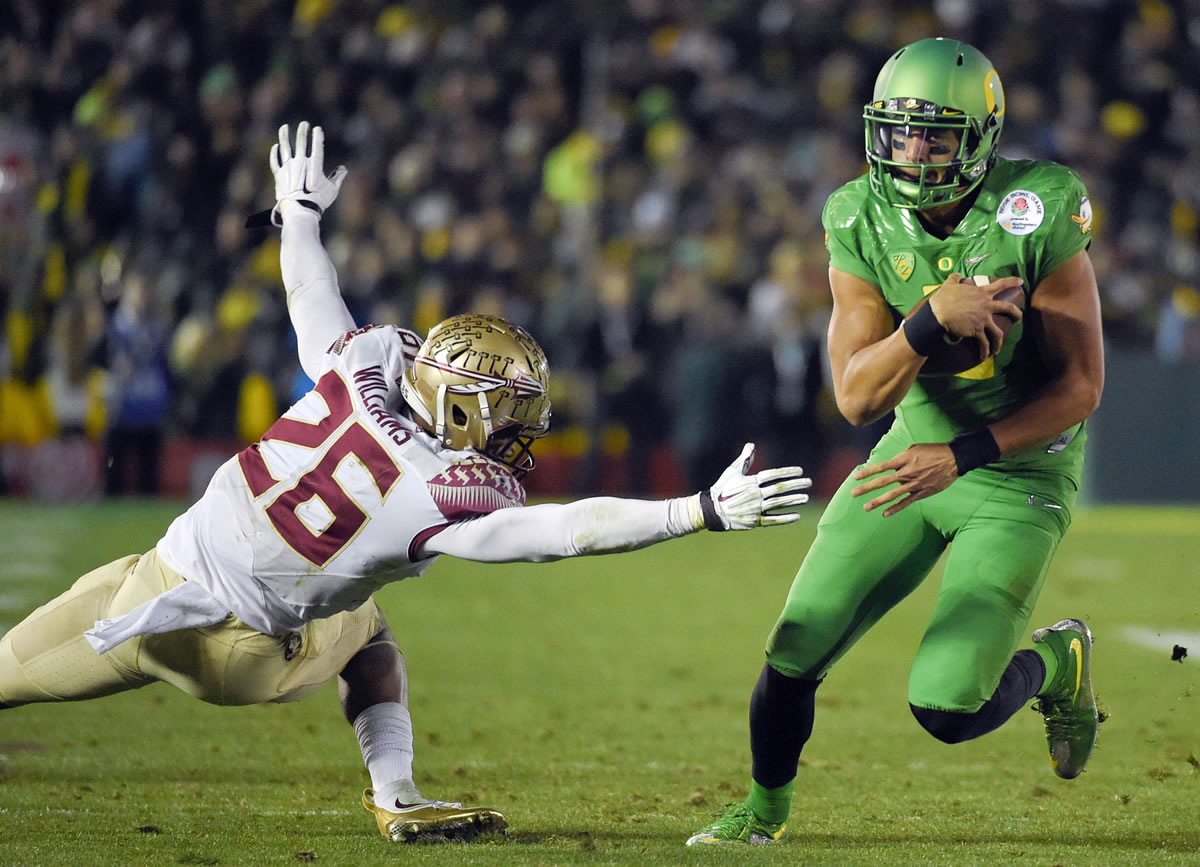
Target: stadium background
(640,183)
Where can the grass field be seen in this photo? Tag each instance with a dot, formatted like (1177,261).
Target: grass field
(601,704)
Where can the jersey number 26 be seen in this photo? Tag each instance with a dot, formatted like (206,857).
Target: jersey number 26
(319,483)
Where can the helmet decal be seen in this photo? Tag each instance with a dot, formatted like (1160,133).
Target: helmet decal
(522,384)
(993,94)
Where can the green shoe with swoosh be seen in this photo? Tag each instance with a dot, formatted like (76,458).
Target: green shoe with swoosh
(1068,704)
(737,824)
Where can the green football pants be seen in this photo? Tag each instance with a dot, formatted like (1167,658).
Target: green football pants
(1004,529)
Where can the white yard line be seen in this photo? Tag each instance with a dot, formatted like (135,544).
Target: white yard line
(15,600)
(25,569)
(67,811)
(1095,568)
(1161,639)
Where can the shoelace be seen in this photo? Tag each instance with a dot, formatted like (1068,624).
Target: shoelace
(730,817)
(441,805)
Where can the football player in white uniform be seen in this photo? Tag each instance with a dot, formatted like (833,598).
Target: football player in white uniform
(404,450)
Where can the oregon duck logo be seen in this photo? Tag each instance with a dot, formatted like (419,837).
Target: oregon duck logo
(1084,219)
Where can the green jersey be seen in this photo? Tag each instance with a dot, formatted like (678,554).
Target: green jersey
(1029,218)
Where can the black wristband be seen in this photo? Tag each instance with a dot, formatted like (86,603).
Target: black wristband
(923,331)
(972,450)
(259,220)
(712,521)
(262,219)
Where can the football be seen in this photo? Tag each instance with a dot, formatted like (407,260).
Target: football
(955,355)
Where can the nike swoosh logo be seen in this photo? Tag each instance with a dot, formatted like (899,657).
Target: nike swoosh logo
(975,260)
(1076,648)
(723,497)
(1044,504)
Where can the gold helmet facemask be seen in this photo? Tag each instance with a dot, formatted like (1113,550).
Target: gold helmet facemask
(481,382)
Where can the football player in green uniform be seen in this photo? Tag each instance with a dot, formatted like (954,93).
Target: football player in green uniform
(988,459)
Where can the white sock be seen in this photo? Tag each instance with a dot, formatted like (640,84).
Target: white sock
(384,733)
(402,791)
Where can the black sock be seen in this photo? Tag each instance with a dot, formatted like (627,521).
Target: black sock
(781,722)
(1020,682)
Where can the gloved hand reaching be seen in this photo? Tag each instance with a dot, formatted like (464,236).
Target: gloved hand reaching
(741,502)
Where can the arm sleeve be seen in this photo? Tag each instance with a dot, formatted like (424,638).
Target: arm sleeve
(843,257)
(552,531)
(1071,226)
(315,304)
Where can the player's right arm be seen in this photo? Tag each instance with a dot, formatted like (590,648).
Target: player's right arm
(873,362)
(314,301)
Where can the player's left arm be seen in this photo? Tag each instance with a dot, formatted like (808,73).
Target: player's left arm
(603,525)
(1065,322)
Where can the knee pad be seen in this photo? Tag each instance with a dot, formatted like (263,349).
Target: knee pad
(803,649)
(949,727)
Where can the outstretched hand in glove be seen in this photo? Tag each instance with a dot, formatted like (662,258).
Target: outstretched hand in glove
(739,501)
(300,174)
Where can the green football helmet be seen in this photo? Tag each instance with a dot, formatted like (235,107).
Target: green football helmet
(945,90)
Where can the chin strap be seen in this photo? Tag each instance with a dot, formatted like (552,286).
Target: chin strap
(439,421)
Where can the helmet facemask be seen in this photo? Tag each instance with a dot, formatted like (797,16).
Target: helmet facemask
(912,185)
(479,382)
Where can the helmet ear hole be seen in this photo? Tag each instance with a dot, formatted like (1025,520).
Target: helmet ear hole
(460,416)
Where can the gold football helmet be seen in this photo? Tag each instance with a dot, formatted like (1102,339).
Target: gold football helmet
(481,382)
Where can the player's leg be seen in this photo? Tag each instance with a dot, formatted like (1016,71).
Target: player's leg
(968,677)
(45,657)
(858,568)
(373,689)
(966,680)
(229,663)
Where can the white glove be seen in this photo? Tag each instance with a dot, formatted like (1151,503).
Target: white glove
(741,502)
(300,175)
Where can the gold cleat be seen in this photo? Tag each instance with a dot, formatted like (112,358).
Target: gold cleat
(432,821)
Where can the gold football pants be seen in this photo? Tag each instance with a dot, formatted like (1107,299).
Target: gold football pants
(47,658)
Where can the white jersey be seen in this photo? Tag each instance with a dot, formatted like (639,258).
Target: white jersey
(336,499)
(345,493)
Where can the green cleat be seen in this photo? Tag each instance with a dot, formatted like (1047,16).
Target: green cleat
(1068,703)
(737,824)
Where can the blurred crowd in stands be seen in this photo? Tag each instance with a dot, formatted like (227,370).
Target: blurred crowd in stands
(640,183)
